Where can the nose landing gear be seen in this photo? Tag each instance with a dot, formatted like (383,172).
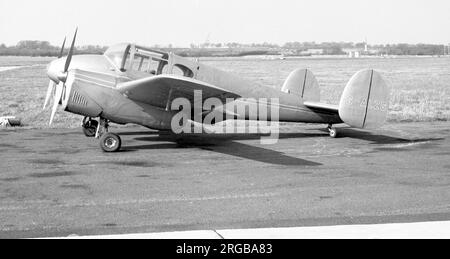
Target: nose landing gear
(109,142)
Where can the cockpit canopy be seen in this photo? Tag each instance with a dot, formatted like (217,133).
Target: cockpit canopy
(133,58)
(116,53)
(138,60)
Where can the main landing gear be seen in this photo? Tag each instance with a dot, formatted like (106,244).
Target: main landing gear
(109,142)
(89,127)
(333,131)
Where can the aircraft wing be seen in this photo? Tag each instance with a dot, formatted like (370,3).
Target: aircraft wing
(163,89)
(322,107)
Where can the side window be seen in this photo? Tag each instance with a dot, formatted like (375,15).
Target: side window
(126,63)
(179,69)
(145,64)
(162,67)
(165,69)
(152,66)
(140,63)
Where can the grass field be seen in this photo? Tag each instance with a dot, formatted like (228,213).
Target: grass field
(420,86)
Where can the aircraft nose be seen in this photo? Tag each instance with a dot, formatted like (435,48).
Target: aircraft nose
(55,70)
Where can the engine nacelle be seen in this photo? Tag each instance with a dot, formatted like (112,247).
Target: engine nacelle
(75,100)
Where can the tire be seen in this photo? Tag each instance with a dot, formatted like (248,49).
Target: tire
(90,129)
(333,133)
(110,142)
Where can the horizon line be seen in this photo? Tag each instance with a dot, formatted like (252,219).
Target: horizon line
(166,45)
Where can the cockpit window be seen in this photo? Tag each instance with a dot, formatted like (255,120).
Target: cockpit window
(116,54)
(146,64)
(133,58)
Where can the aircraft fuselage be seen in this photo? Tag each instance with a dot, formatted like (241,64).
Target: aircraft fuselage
(97,76)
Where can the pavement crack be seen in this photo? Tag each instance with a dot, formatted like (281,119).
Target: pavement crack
(221,237)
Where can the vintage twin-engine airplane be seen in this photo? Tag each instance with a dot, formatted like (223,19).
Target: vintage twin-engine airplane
(134,84)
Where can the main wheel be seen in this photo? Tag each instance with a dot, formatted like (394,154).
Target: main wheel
(333,132)
(110,142)
(90,128)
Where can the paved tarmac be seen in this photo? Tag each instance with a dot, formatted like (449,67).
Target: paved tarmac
(56,182)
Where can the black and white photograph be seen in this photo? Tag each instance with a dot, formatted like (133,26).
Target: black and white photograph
(247,121)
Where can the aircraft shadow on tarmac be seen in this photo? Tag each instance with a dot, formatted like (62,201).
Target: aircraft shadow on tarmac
(377,139)
(226,144)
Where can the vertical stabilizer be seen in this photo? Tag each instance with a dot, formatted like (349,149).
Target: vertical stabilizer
(365,100)
(303,83)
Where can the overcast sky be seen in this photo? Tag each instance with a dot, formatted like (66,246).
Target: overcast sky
(182,22)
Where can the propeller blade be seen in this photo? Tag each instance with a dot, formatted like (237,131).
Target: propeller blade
(62,48)
(69,56)
(50,90)
(58,94)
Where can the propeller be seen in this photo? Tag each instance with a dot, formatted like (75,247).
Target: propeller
(58,94)
(60,88)
(62,48)
(69,57)
(51,85)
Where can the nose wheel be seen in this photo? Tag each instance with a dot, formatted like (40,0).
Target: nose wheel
(333,131)
(109,142)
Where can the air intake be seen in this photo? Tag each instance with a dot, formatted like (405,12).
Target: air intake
(79,99)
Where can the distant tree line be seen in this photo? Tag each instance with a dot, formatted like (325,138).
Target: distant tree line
(37,48)
(417,50)
(338,48)
(297,48)
(44,48)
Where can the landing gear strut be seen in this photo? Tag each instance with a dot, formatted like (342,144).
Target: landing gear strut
(102,128)
(89,127)
(109,142)
(333,131)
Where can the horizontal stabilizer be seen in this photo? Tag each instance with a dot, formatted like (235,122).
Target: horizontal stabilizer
(331,108)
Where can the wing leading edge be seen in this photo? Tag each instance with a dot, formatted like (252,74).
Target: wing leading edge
(163,89)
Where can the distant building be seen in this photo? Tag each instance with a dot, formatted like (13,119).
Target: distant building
(358,52)
(353,52)
(312,52)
